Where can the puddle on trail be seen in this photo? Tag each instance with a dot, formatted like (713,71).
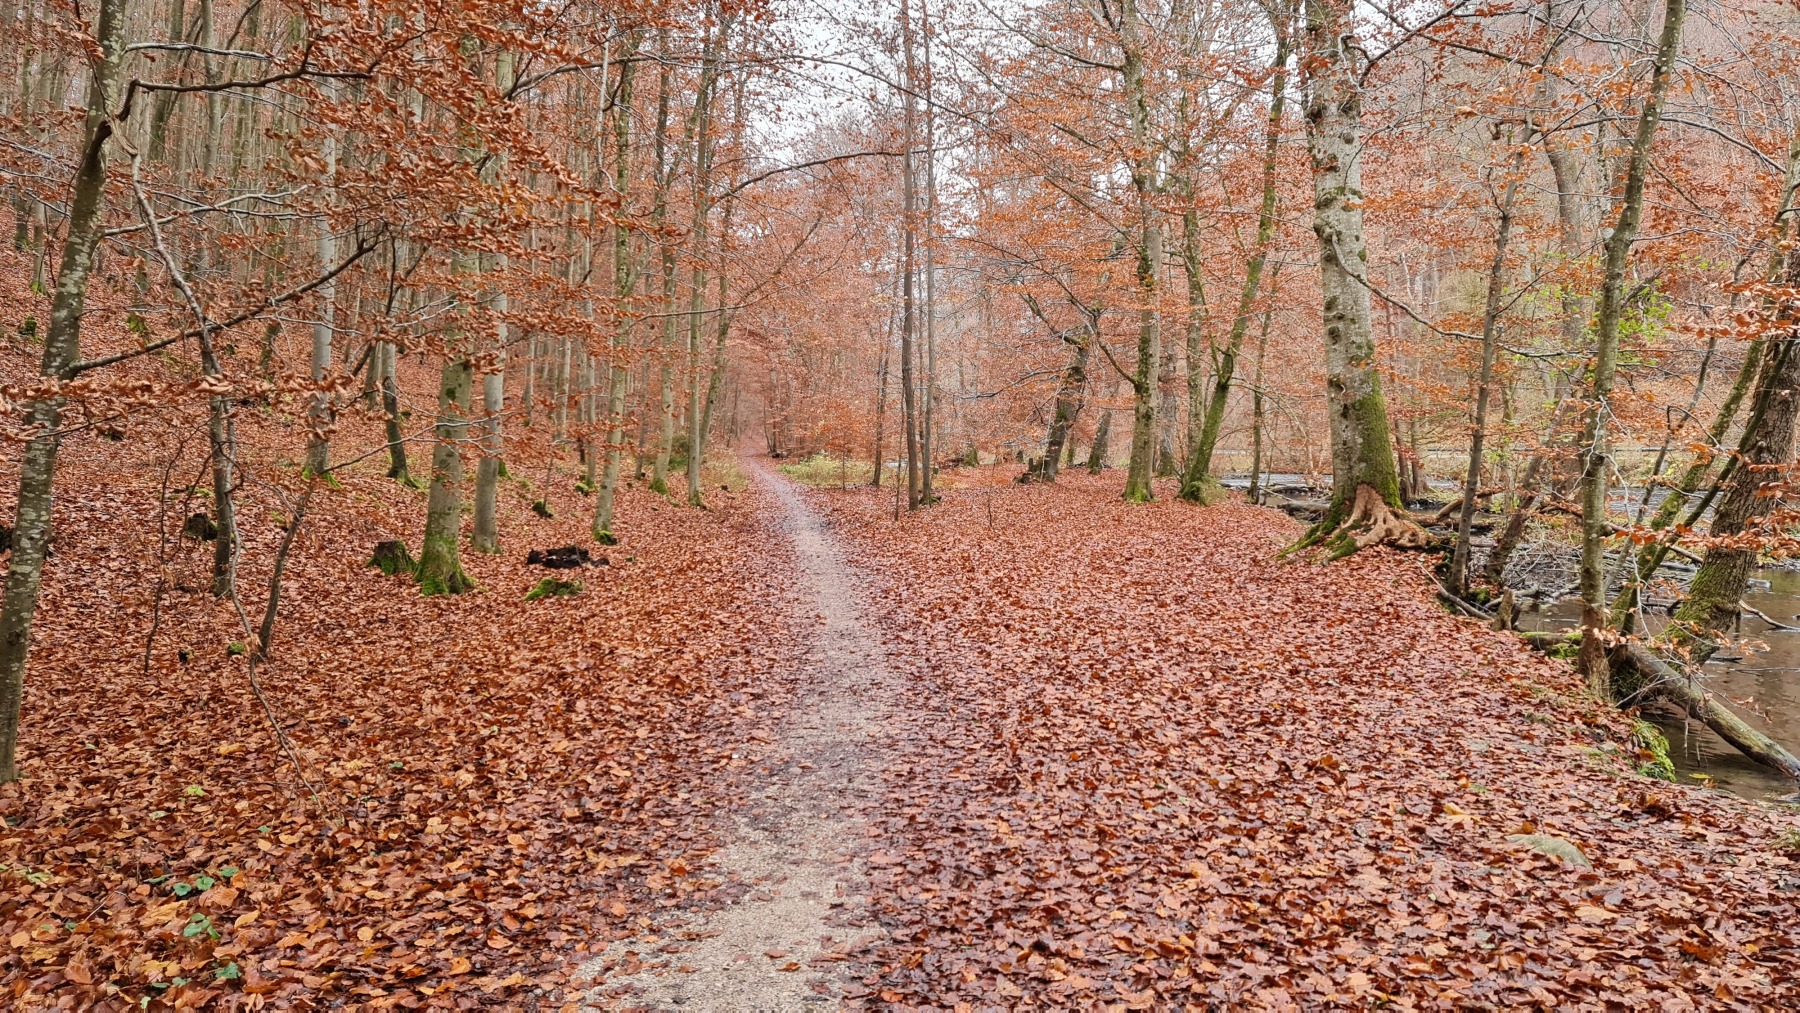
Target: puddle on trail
(1764,688)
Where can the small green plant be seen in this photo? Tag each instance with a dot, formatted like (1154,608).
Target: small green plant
(584,487)
(542,509)
(551,587)
(826,470)
(28,330)
(237,648)
(229,972)
(1788,842)
(199,924)
(36,877)
(1652,751)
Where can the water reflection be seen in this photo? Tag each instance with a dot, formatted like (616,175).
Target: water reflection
(1763,687)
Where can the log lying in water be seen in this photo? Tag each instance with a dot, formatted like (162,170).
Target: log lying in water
(1670,683)
(1665,680)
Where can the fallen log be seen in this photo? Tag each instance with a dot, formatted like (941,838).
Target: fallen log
(1663,679)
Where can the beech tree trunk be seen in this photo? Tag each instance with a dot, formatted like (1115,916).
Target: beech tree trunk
(62,348)
(1718,586)
(624,282)
(1069,389)
(1490,337)
(440,556)
(908,311)
(1362,452)
(1149,258)
(1198,475)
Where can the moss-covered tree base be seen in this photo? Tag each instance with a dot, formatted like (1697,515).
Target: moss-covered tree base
(1371,520)
(440,571)
(550,587)
(1204,492)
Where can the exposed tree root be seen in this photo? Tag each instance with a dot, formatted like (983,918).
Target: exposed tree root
(1373,522)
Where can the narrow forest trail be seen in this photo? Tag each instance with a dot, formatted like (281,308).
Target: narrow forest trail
(790,910)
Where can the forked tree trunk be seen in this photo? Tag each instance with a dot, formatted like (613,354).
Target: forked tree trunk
(62,348)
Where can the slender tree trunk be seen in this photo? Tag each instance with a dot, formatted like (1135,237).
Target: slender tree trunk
(1069,389)
(486,534)
(1490,338)
(1149,257)
(321,416)
(909,227)
(624,282)
(881,389)
(1594,529)
(659,474)
(1198,476)
(928,418)
(1102,432)
(390,411)
(703,155)
(1254,492)
(62,348)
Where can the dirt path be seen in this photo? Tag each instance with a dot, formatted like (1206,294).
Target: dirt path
(792,910)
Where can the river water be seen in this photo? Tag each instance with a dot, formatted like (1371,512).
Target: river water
(1763,687)
(1762,682)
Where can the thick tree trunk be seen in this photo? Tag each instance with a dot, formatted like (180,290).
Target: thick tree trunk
(1660,679)
(1594,615)
(1718,586)
(440,556)
(1362,454)
(62,348)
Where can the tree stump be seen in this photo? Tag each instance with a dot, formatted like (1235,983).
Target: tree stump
(391,557)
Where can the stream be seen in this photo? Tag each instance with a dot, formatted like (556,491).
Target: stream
(1763,687)
(1759,675)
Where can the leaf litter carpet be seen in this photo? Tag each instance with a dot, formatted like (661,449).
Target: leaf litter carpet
(1147,766)
(1113,757)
